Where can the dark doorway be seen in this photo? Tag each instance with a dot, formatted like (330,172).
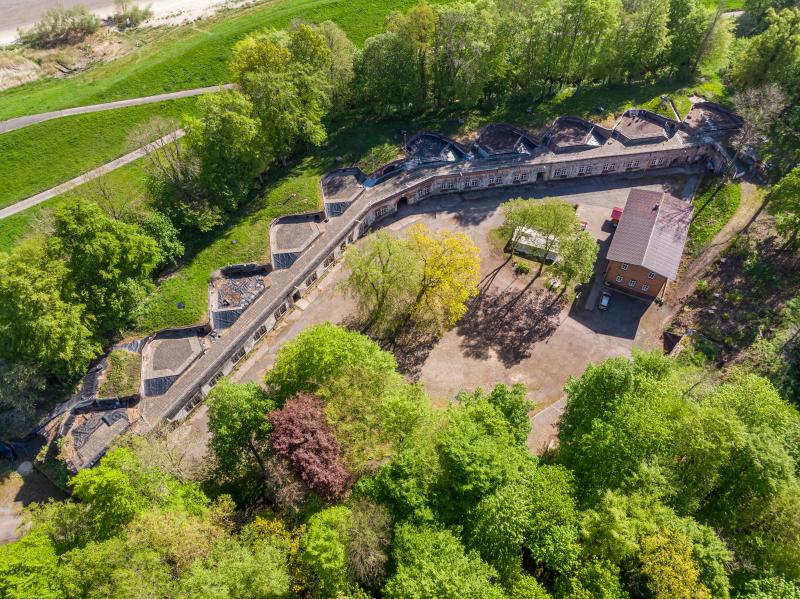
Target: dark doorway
(402,202)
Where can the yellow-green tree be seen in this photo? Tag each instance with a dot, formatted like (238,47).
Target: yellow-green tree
(669,567)
(449,275)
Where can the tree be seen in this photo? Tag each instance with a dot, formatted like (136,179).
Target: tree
(38,322)
(325,549)
(158,226)
(21,386)
(784,204)
(432,563)
(301,435)
(29,568)
(462,52)
(320,354)
(109,262)
(512,404)
(595,579)
(343,55)
(381,272)
(643,39)
(416,29)
(670,570)
(771,57)
(237,421)
(771,588)
(383,95)
(576,259)
(554,220)
(368,541)
(286,79)
(449,273)
(225,140)
(235,570)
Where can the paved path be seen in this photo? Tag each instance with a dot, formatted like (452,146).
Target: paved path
(24,121)
(88,176)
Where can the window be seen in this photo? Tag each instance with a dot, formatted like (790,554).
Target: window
(280,311)
(584,170)
(609,167)
(215,379)
(560,172)
(446,185)
(645,287)
(651,275)
(262,330)
(620,278)
(632,283)
(520,177)
(424,191)
(624,266)
(381,211)
(495,180)
(328,261)
(310,280)
(472,183)
(635,164)
(196,399)
(656,162)
(238,355)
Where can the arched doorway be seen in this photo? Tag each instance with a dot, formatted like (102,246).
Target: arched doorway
(402,203)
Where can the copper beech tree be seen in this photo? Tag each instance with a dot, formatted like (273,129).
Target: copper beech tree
(301,436)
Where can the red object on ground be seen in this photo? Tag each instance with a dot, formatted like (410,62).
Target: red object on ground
(616,213)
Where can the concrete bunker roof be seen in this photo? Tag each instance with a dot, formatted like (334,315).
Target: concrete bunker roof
(499,139)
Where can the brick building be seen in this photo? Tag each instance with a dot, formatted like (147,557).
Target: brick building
(646,249)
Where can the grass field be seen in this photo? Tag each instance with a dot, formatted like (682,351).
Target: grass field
(192,55)
(123,376)
(43,155)
(712,214)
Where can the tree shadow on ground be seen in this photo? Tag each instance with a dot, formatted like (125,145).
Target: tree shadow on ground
(510,323)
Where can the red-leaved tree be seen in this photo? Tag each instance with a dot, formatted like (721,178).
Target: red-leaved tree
(301,436)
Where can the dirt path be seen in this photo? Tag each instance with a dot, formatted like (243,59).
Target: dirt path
(89,176)
(24,121)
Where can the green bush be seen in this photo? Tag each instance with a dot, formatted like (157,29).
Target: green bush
(61,25)
(129,14)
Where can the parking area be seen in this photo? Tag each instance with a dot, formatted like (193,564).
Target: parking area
(507,336)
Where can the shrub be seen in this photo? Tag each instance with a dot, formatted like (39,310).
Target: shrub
(61,25)
(129,14)
(522,268)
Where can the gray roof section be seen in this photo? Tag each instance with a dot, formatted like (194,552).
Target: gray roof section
(652,232)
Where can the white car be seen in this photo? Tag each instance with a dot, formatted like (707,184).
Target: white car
(605,299)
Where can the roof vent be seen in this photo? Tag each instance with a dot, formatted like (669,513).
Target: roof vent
(655,206)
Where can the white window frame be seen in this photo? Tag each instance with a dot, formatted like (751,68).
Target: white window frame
(609,167)
(311,279)
(620,278)
(635,163)
(624,266)
(651,275)
(632,283)
(473,183)
(382,210)
(645,287)
(581,170)
(560,172)
(282,309)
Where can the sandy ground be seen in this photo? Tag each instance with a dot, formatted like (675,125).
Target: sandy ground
(15,14)
(19,486)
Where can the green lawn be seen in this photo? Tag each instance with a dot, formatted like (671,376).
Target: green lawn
(191,56)
(46,154)
(710,215)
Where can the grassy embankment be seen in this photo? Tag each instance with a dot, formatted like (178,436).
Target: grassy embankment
(191,56)
(44,155)
(712,214)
